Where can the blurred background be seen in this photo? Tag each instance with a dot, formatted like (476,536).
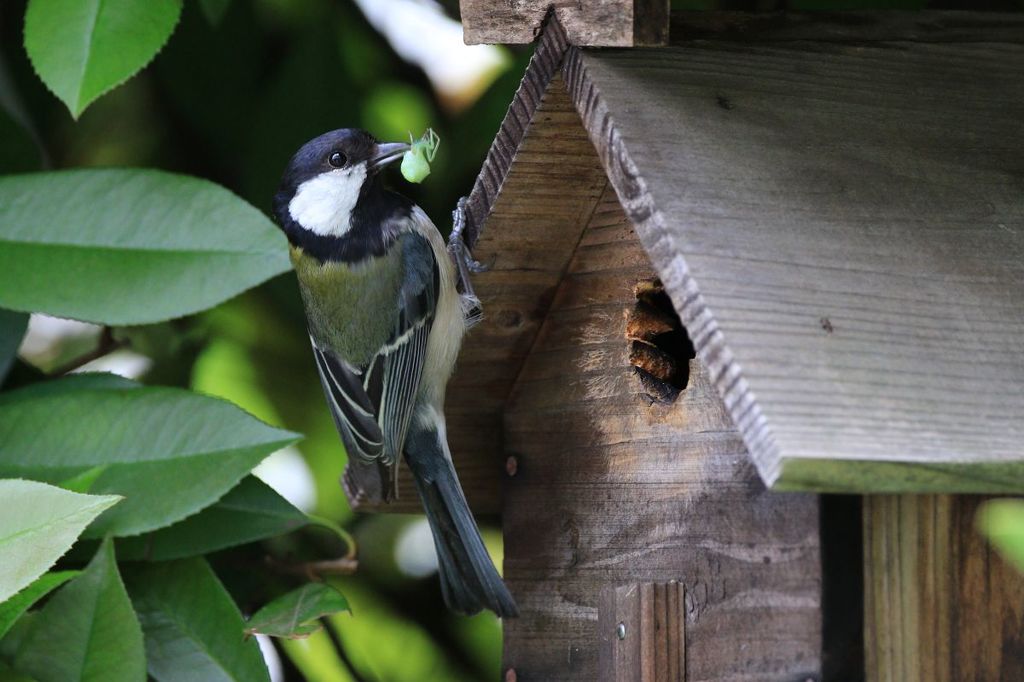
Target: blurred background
(239,87)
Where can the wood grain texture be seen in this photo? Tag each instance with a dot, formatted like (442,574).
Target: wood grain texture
(614,490)
(841,228)
(940,605)
(857,27)
(536,224)
(528,246)
(643,633)
(544,64)
(621,23)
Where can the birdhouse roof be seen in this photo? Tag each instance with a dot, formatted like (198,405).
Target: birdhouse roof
(835,204)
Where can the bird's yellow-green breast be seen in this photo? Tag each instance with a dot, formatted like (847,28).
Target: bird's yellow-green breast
(351,308)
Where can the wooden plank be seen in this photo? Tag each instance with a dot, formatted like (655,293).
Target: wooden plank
(856,27)
(613,489)
(841,227)
(650,23)
(940,605)
(643,633)
(619,23)
(619,627)
(544,63)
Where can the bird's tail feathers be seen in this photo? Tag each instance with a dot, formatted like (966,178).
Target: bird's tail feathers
(469,580)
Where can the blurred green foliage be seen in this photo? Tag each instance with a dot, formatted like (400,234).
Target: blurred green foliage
(237,89)
(1002,522)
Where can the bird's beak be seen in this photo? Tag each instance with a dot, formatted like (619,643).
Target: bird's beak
(386,153)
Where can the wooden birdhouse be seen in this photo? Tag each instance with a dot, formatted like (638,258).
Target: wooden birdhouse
(780,256)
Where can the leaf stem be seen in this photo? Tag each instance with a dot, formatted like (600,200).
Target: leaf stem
(346,537)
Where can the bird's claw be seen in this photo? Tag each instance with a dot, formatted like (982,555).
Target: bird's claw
(458,222)
(460,253)
(475,266)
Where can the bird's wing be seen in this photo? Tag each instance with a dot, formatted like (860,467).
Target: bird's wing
(373,405)
(394,374)
(354,414)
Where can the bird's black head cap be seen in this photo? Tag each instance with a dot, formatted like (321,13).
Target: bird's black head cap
(331,202)
(345,146)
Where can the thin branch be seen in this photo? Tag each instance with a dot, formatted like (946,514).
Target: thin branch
(104,346)
(316,571)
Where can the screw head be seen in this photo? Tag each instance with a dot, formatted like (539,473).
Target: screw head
(620,631)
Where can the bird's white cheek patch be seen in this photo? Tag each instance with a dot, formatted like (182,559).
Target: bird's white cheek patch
(324,204)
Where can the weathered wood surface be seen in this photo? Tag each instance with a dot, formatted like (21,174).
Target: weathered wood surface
(643,633)
(612,489)
(541,213)
(940,605)
(849,26)
(544,65)
(841,227)
(621,23)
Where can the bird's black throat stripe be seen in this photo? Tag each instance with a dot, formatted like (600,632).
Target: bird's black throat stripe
(375,223)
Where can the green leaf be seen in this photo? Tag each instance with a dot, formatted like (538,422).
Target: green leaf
(8,674)
(43,385)
(1002,521)
(38,523)
(87,631)
(83,482)
(13,608)
(12,642)
(21,374)
(168,451)
(12,331)
(83,48)
(297,614)
(120,246)
(251,511)
(193,629)
(71,382)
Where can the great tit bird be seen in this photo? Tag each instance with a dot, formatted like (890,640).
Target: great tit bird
(386,321)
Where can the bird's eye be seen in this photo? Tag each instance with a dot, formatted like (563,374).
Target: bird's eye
(337,159)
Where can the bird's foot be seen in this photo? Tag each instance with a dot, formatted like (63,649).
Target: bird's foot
(475,266)
(458,222)
(460,253)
